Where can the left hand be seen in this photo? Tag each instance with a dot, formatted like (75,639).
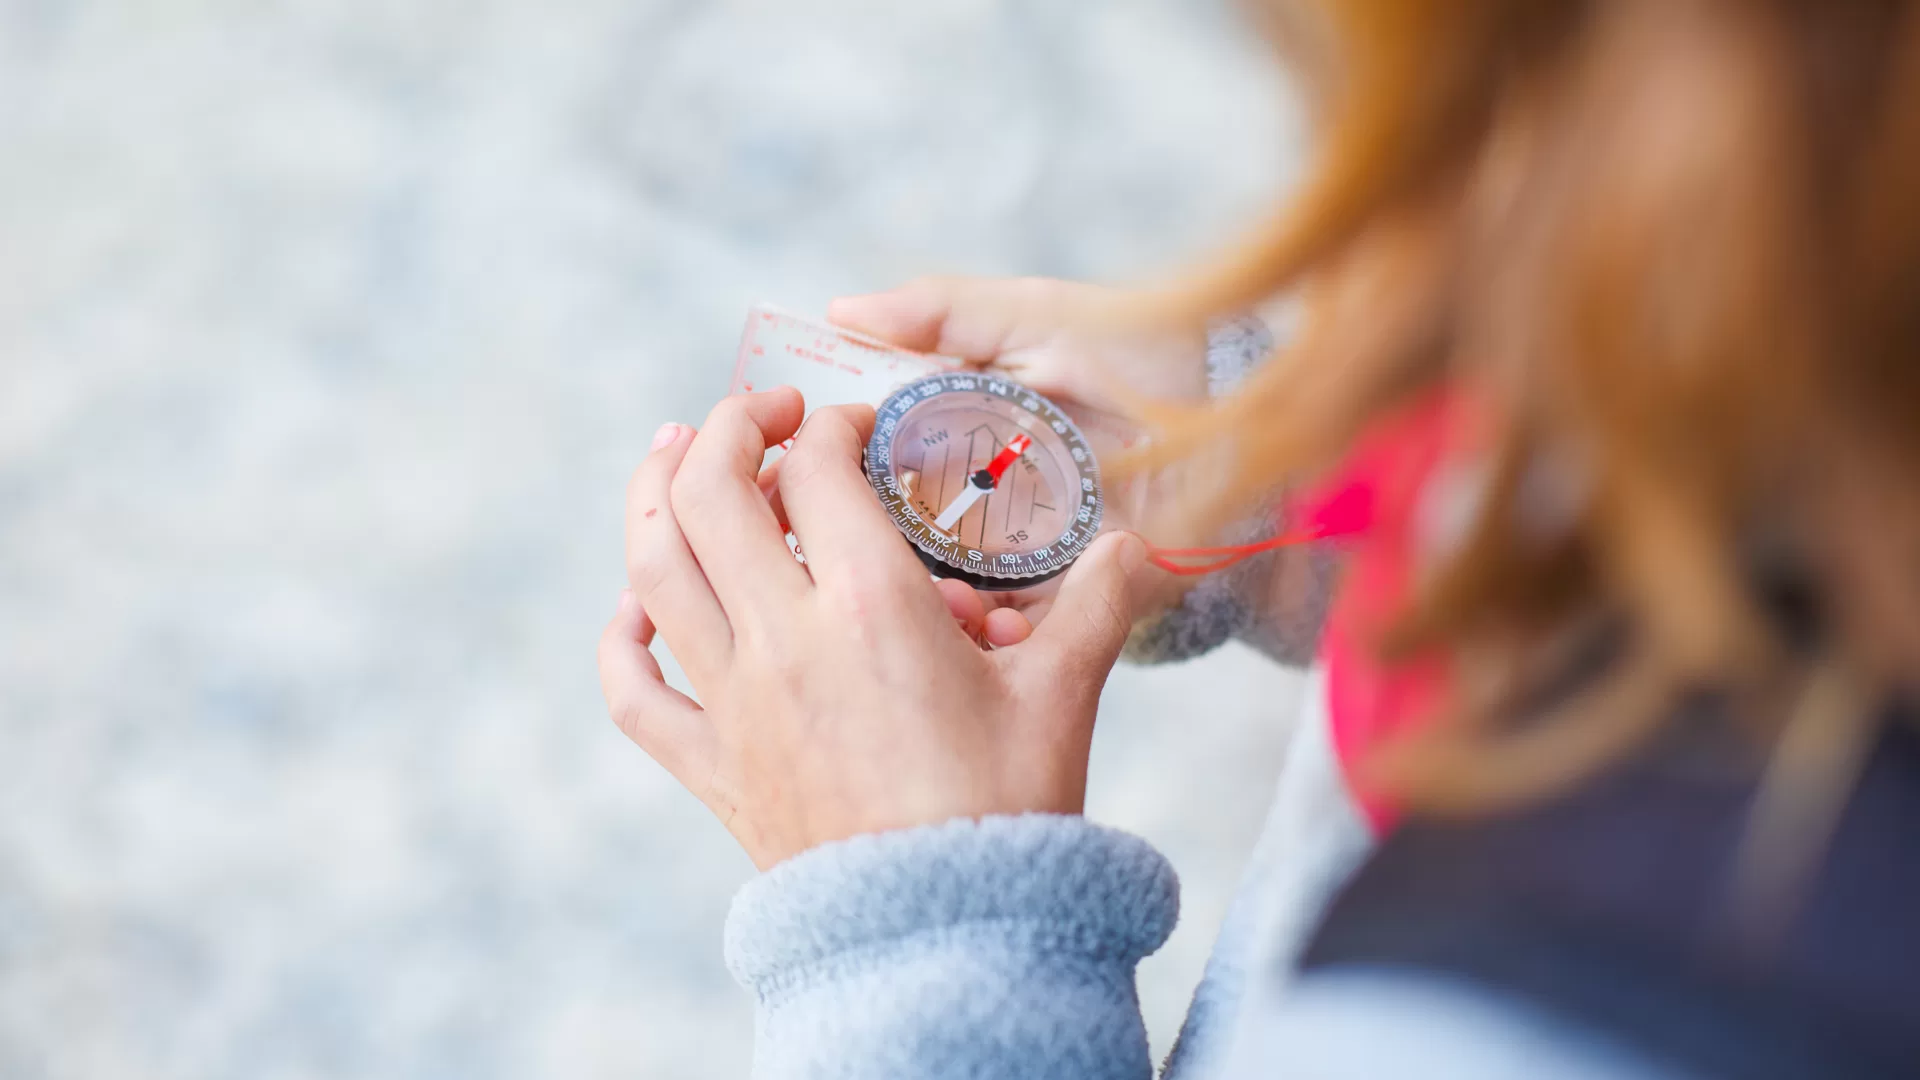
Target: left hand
(1027,327)
(840,696)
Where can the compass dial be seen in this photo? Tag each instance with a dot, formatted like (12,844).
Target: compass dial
(990,481)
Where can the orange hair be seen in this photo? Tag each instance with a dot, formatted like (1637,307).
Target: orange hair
(1671,250)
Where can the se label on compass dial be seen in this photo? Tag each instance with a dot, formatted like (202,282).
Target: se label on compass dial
(989,481)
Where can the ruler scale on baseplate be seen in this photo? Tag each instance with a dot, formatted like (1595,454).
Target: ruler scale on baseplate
(833,366)
(828,365)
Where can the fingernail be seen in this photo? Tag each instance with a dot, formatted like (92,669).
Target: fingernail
(665,436)
(1133,552)
(626,601)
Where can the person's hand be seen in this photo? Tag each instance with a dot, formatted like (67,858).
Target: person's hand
(840,696)
(1028,328)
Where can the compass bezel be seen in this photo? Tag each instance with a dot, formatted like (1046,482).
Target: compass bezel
(947,556)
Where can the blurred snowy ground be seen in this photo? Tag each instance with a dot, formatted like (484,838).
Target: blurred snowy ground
(329,332)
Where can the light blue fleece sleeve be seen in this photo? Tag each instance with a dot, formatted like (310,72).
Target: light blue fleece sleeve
(999,948)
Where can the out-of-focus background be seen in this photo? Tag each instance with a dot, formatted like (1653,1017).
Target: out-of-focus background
(329,333)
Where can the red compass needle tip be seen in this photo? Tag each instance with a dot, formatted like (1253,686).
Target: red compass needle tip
(1005,458)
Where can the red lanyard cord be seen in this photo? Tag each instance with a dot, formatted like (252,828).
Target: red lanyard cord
(1219,558)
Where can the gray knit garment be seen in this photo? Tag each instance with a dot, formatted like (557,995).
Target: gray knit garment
(1275,601)
(1005,948)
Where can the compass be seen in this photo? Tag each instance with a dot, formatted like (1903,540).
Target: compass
(989,481)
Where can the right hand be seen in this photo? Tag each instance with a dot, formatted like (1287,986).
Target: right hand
(836,697)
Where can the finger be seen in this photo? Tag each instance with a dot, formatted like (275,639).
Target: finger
(971,318)
(631,623)
(1006,627)
(1090,616)
(965,604)
(839,521)
(727,522)
(769,484)
(665,577)
(665,723)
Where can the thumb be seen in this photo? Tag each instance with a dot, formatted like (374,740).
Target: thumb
(974,319)
(1091,614)
(913,316)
